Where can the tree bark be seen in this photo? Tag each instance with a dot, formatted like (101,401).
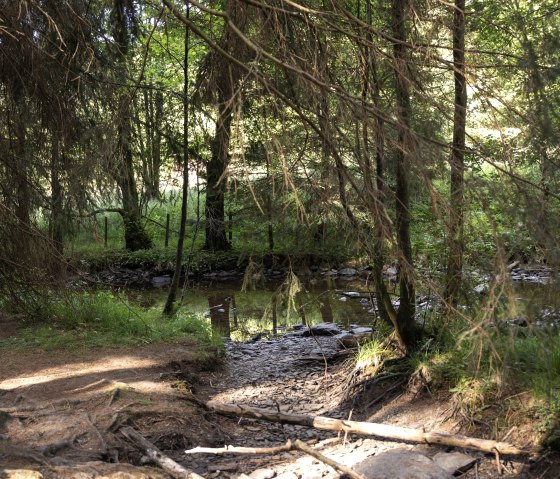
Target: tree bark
(135,235)
(406,325)
(216,239)
(457,161)
(367,428)
(174,287)
(56,197)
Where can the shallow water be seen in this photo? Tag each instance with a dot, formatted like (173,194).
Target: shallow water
(266,306)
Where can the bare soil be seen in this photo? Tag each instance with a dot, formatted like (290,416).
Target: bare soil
(61,411)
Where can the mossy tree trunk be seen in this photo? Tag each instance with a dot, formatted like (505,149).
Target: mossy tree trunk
(135,235)
(406,324)
(455,256)
(216,239)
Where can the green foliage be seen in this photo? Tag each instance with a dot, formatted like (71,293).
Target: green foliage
(103,318)
(481,364)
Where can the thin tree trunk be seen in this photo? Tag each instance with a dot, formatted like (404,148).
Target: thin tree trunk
(174,288)
(405,316)
(457,162)
(56,197)
(216,239)
(135,235)
(376,197)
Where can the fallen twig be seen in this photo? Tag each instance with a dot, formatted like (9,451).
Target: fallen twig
(297,444)
(240,450)
(367,428)
(330,462)
(166,463)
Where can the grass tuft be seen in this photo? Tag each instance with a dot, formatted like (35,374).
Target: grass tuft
(102,319)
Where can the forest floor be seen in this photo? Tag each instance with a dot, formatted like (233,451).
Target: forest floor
(61,412)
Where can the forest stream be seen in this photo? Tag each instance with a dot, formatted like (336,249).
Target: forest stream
(73,409)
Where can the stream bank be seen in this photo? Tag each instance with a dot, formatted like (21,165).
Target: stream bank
(67,412)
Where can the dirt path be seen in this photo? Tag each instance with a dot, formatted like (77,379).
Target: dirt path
(61,412)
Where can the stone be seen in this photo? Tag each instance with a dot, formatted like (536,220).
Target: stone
(262,474)
(20,474)
(323,329)
(160,281)
(313,473)
(454,462)
(361,330)
(347,272)
(481,288)
(401,463)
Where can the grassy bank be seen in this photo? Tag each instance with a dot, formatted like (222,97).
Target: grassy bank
(95,319)
(500,378)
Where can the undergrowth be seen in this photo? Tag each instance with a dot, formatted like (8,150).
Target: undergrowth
(103,318)
(512,371)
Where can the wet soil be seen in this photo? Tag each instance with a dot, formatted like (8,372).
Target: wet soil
(61,412)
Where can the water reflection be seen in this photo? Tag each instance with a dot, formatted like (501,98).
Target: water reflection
(218,307)
(239,315)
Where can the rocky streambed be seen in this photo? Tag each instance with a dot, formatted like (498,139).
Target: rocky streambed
(308,375)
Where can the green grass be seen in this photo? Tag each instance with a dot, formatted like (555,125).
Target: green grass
(483,365)
(94,319)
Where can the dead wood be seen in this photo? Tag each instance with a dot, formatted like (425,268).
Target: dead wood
(102,442)
(367,428)
(274,450)
(166,463)
(330,462)
(240,450)
(53,449)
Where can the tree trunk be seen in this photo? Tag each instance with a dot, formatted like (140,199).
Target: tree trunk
(405,316)
(457,162)
(374,190)
(56,197)
(216,239)
(22,196)
(135,236)
(168,309)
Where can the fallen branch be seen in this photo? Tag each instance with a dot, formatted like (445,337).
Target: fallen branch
(240,450)
(330,462)
(166,463)
(371,429)
(274,450)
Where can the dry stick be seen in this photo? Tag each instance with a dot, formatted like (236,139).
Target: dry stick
(367,428)
(166,463)
(104,447)
(336,465)
(274,450)
(241,450)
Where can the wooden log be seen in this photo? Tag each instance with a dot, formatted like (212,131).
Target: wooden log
(166,463)
(369,428)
